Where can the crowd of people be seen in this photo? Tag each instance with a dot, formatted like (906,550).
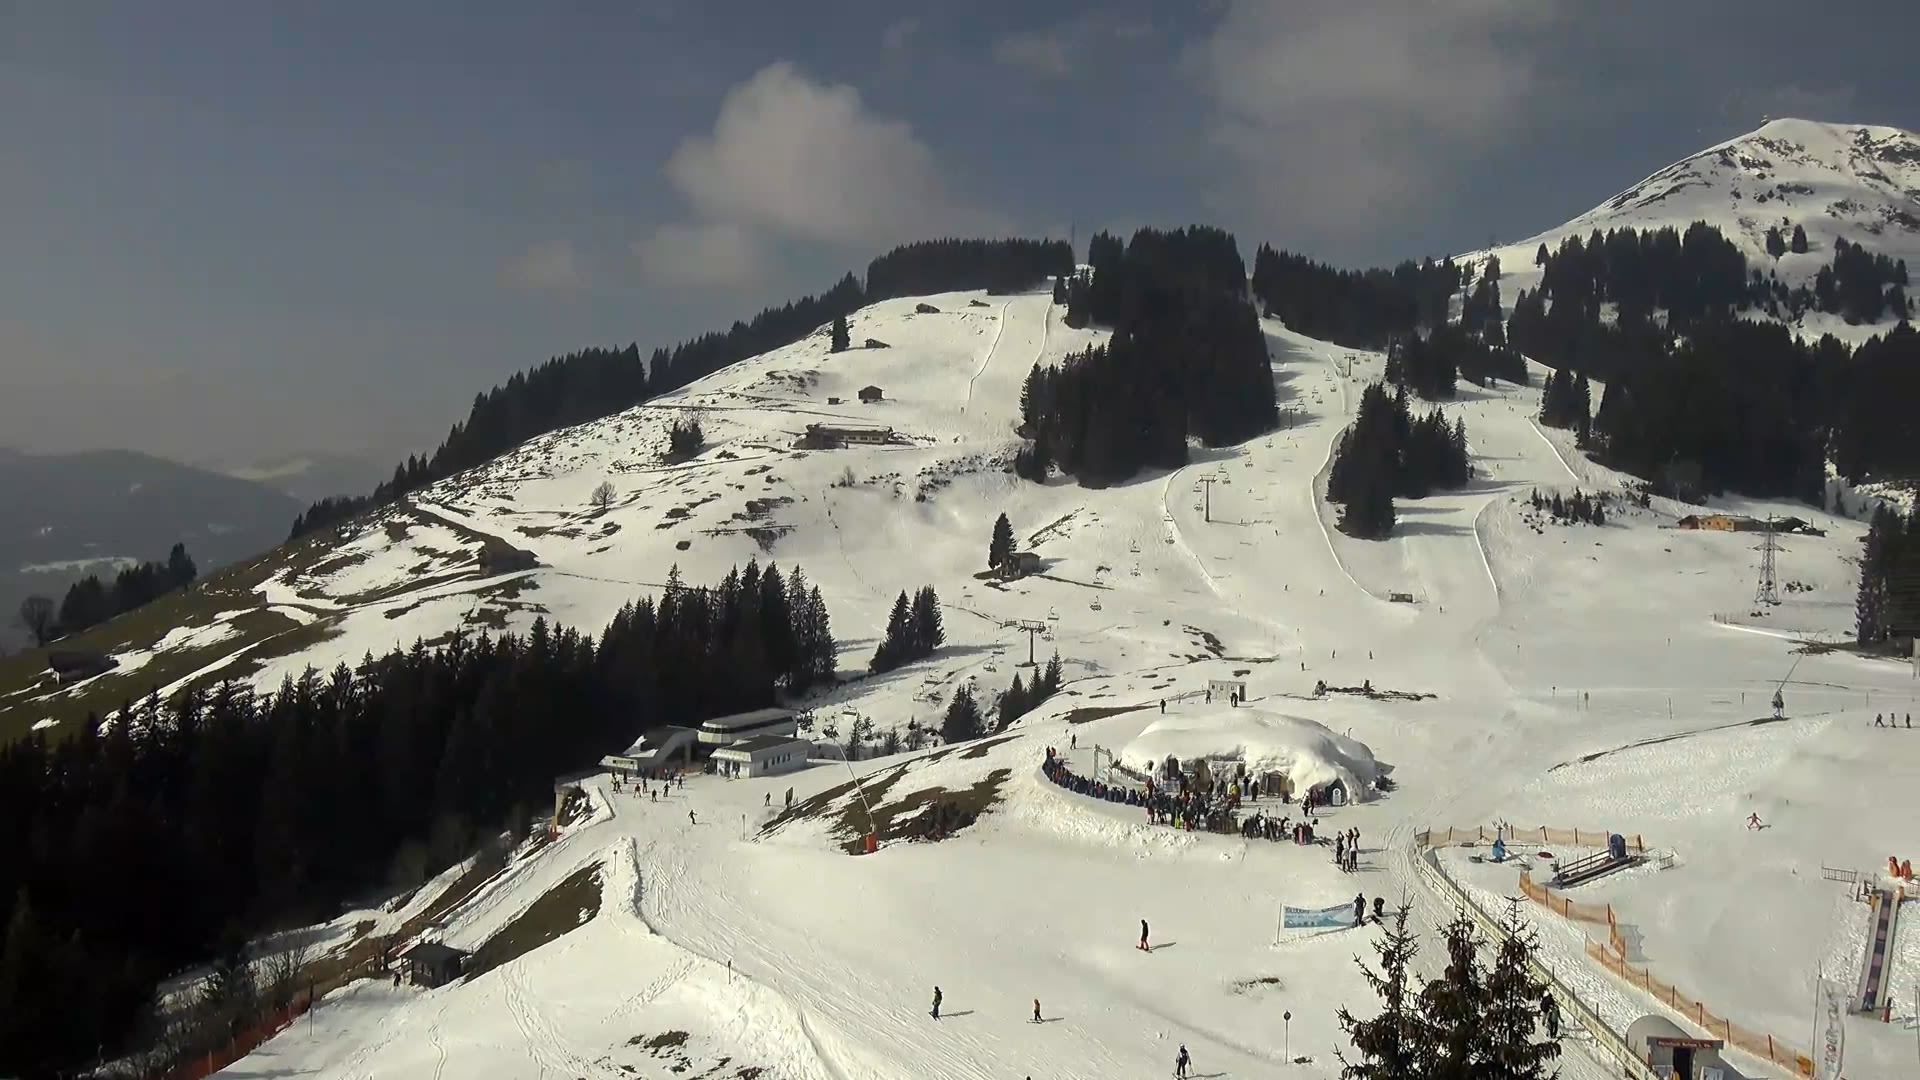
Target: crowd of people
(1209,807)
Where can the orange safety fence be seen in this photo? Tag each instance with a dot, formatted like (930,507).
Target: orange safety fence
(1612,954)
(1484,834)
(1758,1043)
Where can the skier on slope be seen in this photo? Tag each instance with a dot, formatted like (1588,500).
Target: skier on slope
(1180,1061)
(1036,1010)
(1144,947)
(1359,908)
(690,818)
(936,1003)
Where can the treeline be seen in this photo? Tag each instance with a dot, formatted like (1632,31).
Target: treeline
(92,601)
(1186,358)
(162,840)
(597,382)
(1388,452)
(1017,700)
(1887,605)
(937,266)
(1698,399)
(1431,366)
(914,630)
(1575,509)
(1566,401)
(1860,286)
(1361,309)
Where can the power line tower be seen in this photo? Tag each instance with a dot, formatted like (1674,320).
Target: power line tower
(1767,592)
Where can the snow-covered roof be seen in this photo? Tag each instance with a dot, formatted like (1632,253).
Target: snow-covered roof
(1306,752)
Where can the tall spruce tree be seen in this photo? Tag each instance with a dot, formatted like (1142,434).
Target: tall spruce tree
(842,337)
(1393,1045)
(962,721)
(1001,545)
(896,647)
(1452,1008)
(1517,1007)
(928,633)
(1799,240)
(1870,601)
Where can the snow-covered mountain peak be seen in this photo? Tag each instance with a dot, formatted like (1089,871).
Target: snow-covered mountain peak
(1860,177)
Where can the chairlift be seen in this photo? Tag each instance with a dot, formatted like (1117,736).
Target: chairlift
(1095,606)
(1135,547)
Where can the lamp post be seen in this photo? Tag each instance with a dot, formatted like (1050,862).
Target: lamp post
(1286,1036)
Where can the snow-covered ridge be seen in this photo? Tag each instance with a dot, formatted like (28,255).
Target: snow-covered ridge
(1852,181)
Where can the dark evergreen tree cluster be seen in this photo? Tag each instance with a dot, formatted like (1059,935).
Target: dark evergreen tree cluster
(1566,401)
(131,852)
(1020,699)
(1362,309)
(1432,364)
(91,601)
(597,382)
(1703,400)
(1186,358)
(1689,276)
(1480,312)
(684,440)
(1388,452)
(914,631)
(1478,1019)
(1873,426)
(962,721)
(841,337)
(936,266)
(1579,508)
(1860,286)
(1735,405)
(1887,606)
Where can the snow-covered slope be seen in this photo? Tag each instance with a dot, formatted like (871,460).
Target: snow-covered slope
(776,950)
(1852,181)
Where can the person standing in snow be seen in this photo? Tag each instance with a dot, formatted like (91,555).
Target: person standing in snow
(690,818)
(1753,821)
(1359,908)
(1144,947)
(1036,1010)
(1180,1061)
(1340,850)
(936,1003)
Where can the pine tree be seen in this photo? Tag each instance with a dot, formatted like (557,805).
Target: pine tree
(896,648)
(1001,545)
(1515,1004)
(927,632)
(842,337)
(180,568)
(1870,601)
(962,721)
(1452,1007)
(1392,1045)
(1799,240)
(824,653)
(1014,702)
(1776,244)
(1050,679)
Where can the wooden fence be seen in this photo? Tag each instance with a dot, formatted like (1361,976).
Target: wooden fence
(1612,955)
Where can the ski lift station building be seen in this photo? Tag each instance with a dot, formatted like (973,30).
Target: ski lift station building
(727,730)
(1227,689)
(1669,1051)
(762,755)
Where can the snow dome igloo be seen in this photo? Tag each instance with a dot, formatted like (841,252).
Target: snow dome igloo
(1306,753)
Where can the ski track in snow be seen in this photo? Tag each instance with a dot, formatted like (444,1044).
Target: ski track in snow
(782,952)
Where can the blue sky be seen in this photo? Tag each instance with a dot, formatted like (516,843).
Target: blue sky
(230,230)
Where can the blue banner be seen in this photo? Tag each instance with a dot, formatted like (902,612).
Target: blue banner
(1293,918)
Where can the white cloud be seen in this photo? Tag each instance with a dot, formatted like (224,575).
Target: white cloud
(700,256)
(551,267)
(1340,115)
(790,158)
(1063,51)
